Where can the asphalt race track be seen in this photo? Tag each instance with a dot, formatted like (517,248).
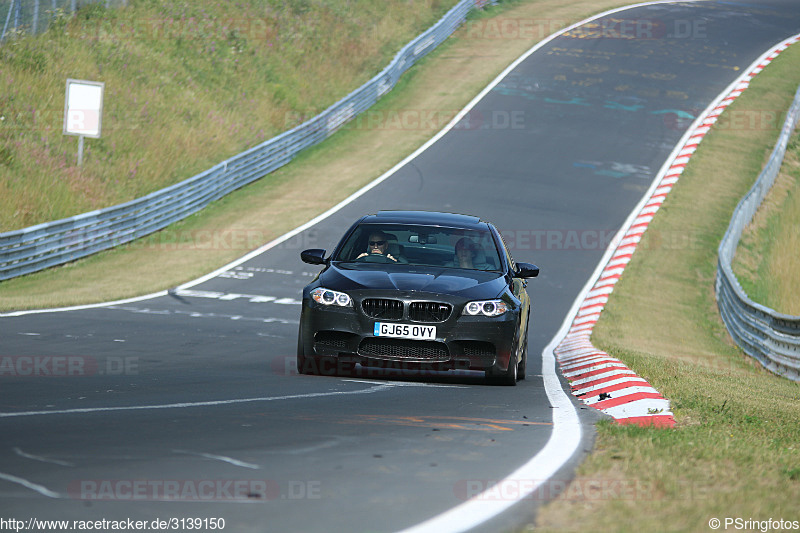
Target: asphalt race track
(188,405)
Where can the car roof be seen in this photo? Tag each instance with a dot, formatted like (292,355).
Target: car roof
(427,218)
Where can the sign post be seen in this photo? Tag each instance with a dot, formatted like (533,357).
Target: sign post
(83,111)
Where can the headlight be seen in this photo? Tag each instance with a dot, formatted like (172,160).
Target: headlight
(329,297)
(486,308)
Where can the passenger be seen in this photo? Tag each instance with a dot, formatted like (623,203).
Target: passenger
(470,255)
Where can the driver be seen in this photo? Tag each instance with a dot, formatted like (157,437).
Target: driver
(378,244)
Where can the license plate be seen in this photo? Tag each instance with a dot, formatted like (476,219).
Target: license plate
(405,331)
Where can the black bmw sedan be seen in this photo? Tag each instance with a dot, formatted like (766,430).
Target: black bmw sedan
(415,289)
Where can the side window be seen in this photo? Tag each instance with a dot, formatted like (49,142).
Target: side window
(348,252)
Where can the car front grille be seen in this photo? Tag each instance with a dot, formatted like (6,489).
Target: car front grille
(429,311)
(383,308)
(404,349)
(388,309)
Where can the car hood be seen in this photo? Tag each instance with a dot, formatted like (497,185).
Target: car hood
(457,282)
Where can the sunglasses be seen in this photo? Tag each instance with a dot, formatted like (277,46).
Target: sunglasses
(377,243)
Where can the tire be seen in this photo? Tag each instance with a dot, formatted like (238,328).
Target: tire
(524,362)
(507,378)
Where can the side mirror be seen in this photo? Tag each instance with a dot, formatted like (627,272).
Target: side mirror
(314,256)
(526,270)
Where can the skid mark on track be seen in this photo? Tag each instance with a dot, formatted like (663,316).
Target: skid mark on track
(32,457)
(434,422)
(223,458)
(44,491)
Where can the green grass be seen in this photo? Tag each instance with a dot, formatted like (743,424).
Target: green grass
(767,262)
(735,451)
(187,85)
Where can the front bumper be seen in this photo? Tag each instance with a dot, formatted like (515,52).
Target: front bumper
(462,342)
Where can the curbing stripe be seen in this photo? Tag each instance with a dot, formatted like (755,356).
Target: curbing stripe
(629,395)
(614,374)
(603,370)
(640,409)
(605,362)
(610,386)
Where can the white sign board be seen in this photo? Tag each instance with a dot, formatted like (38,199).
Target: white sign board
(83,109)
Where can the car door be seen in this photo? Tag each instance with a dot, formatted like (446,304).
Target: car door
(517,286)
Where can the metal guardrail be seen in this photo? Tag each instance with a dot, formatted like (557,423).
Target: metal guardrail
(771,337)
(53,243)
(34,16)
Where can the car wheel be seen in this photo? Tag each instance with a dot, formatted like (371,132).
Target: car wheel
(509,377)
(524,362)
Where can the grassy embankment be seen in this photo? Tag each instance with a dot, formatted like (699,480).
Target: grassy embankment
(735,452)
(187,85)
(444,82)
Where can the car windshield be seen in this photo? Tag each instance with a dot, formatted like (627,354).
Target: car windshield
(472,249)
